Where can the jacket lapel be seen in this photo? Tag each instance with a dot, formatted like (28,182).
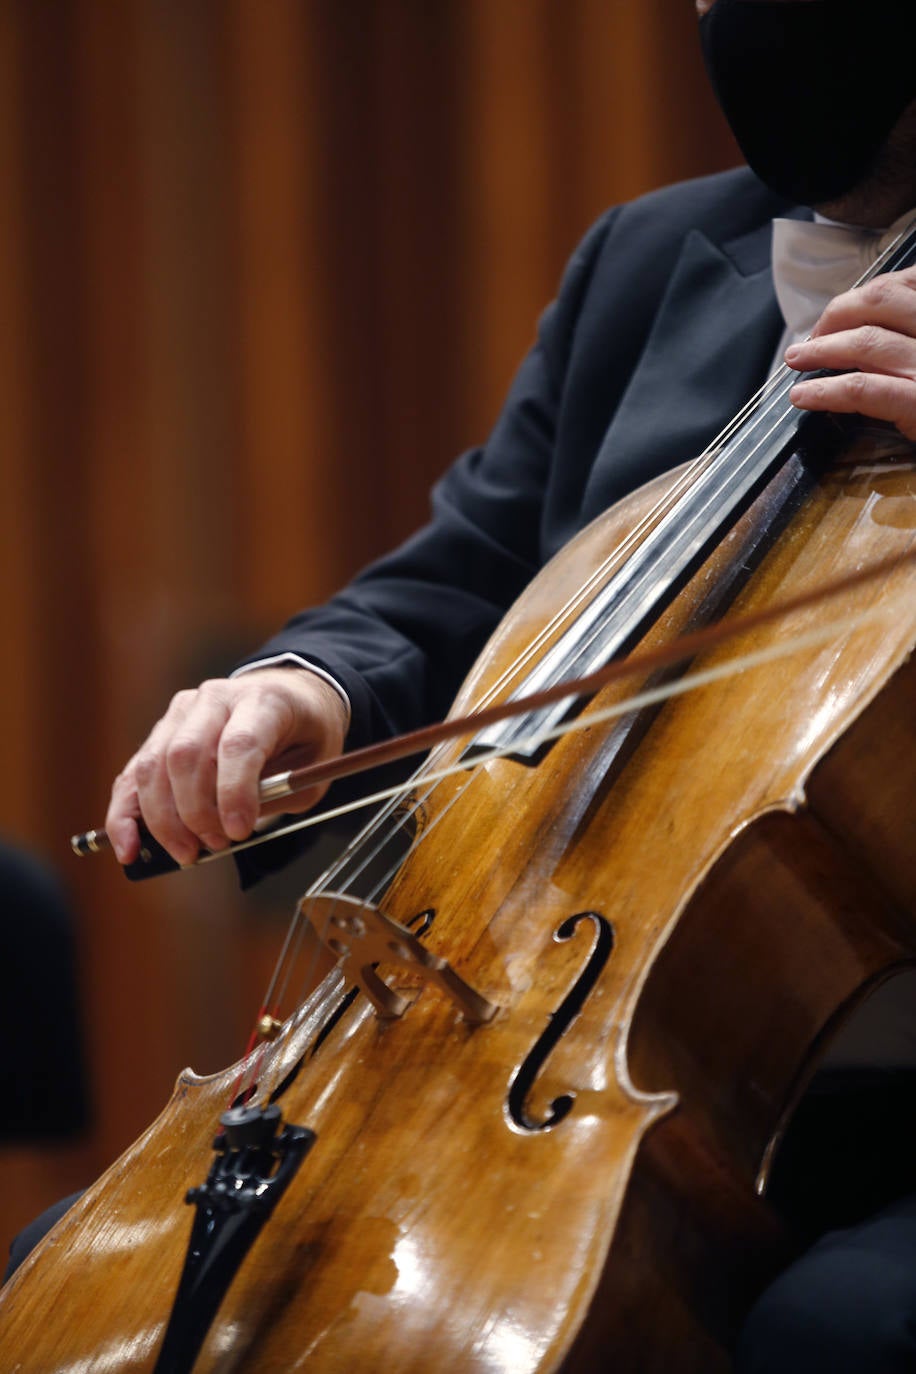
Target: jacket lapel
(710,348)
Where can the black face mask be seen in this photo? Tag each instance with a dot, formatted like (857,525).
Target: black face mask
(811,88)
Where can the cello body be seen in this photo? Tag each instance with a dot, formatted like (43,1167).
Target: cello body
(673,913)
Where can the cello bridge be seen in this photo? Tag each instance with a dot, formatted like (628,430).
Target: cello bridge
(364,937)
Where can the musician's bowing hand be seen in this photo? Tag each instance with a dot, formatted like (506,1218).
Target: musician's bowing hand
(195,779)
(869,333)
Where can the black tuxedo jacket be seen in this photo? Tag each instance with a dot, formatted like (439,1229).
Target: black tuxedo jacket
(665,323)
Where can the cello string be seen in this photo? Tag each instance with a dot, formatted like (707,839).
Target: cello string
(280,977)
(779,377)
(301,917)
(275,989)
(284,967)
(631,540)
(358,847)
(616,557)
(773,391)
(434,777)
(782,649)
(776,388)
(679,687)
(783,380)
(776,382)
(354,847)
(653,696)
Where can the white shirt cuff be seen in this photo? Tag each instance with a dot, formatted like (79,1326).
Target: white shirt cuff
(301,663)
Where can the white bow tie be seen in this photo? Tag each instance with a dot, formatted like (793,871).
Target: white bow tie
(815,261)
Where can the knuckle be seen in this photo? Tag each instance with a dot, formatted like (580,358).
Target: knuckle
(124,781)
(213,687)
(183,754)
(877,291)
(869,339)
(146,766)
(856,384)
(240,743)
(220,694)
(182,700)
(824,323)
(277,700)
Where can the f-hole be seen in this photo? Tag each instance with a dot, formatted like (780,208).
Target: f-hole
(558,1023)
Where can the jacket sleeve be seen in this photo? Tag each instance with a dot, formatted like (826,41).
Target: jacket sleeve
(402,636)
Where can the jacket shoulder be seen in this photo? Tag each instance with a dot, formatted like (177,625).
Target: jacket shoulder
(723,206)
(624,262)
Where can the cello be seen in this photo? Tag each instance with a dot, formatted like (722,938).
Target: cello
(529,1123)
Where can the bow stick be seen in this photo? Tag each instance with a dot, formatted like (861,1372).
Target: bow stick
(414,742)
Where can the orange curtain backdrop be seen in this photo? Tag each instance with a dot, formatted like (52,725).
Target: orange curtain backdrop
(265,266)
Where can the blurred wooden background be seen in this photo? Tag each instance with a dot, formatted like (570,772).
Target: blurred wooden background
(265,266)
